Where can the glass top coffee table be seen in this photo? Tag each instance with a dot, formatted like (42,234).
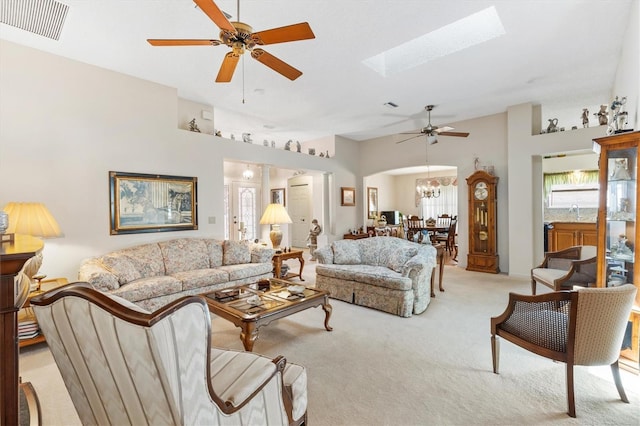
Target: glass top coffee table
(251,306)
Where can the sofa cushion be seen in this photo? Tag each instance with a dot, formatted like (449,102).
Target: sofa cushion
(345,252)
(201,277)
(184,254)
(214,247)
(147,259)
(370,250)
(148,288)
(380,276)
(239,272)
(120,266)
(236,252)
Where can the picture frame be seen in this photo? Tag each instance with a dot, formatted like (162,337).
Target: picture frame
(277,196)
(347,196)
(142,203)
(372,202)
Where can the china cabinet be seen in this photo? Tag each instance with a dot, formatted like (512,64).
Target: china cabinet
(483,250)
(618,260)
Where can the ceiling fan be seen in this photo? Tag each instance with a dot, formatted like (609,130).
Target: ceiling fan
(432,132)
(240,38)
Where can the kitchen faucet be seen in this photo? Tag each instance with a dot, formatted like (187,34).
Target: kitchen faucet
(575,208)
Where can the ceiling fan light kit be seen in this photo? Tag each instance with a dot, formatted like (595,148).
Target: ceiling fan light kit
(432,132)
(240,37)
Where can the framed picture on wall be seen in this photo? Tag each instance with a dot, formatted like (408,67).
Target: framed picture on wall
(277,196)
(372,200)
(348,197)
(152,203)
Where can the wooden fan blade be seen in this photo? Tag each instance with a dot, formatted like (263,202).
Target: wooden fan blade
(183,42)
(275,64)
(411,133)
(443,129)
(216,15)
(227,68)
(458,134)
(412,137)
(301,31)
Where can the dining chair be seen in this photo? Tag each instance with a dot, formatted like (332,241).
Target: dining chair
(448,237)
(414,229)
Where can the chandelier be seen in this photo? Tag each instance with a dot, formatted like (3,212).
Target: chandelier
(247,174)
(428,191)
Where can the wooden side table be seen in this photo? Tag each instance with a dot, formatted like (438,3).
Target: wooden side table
(13,255)
(46,285)
(277,263)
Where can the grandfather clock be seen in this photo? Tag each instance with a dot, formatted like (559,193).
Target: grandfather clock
(483,233)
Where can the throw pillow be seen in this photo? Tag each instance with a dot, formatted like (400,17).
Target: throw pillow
(236,252)
(399,257)
(120,266)
(346,252)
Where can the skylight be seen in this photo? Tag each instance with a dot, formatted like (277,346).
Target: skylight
(466,32)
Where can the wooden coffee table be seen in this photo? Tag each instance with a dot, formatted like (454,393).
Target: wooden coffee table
(274,303)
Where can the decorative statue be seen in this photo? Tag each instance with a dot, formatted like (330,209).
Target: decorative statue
(618,116)
(602,115)
(313,238)
(553,125)
(193,126)
(585,117)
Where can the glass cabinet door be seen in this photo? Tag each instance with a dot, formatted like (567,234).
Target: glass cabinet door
(620,232)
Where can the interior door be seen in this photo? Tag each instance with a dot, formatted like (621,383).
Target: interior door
(300,211)
(245,207)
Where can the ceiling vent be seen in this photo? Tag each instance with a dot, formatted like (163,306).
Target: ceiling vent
(42,17)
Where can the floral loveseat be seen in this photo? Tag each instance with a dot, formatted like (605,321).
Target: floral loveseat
(152,275)
(386,273)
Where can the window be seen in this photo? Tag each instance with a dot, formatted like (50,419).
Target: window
(579,187)
(565,196)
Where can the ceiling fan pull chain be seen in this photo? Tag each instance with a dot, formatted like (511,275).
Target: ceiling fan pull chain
(243,79)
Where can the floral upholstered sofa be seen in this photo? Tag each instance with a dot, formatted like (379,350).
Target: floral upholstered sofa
(152,275)
(386,273)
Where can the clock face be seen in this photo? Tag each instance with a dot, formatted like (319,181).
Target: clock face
(481,192)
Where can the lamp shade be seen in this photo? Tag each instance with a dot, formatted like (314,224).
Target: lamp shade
(275,214)
(32,219)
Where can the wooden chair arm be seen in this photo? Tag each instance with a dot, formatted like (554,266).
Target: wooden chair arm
(572,253)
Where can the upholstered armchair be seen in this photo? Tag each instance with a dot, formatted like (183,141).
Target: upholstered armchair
(562,269)
(123,365)
(581,327)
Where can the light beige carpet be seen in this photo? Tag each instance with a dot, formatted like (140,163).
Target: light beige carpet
(431,369)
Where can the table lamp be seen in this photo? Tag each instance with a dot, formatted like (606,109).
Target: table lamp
(32,219)
(274,215)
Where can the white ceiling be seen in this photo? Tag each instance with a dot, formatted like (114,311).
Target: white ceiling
(558,53)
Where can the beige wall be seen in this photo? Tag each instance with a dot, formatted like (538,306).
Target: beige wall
(66,124)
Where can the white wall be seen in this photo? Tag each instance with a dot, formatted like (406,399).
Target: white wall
(66,124)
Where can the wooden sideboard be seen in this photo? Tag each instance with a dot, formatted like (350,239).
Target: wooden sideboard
(566,234)
(13,256)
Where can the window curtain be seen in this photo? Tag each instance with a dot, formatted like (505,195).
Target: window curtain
(446,203)
(568,178)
